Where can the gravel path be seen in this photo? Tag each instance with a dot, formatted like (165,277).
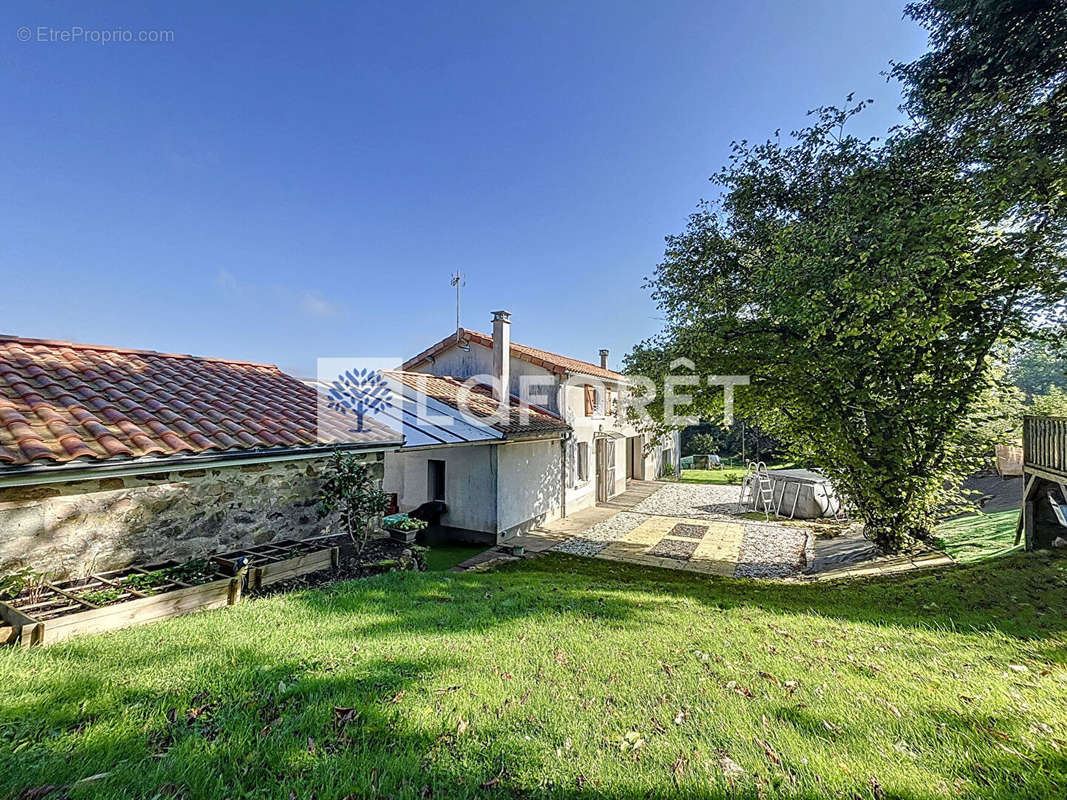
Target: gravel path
(767,550)
(601,535)
(693,500)
(774,551)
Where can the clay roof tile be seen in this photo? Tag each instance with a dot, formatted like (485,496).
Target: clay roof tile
(60,401)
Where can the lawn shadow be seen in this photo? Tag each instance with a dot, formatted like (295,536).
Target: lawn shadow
(1016,595)
(292,730)
(243,719)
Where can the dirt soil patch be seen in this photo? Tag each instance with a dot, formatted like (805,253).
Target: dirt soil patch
(380,555)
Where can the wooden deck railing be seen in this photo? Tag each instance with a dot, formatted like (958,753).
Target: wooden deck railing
(1045,443)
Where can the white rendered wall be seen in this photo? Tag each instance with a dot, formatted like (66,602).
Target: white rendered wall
(528,485)
(470,483)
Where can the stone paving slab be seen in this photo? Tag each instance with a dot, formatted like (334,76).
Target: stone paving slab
(719,551)
(887,566)
(715,554)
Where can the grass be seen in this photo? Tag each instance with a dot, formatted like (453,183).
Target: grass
(562,676)
(978,536)
(725,474)
(442,557)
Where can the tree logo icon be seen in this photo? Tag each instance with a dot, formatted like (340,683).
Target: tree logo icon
(361,392)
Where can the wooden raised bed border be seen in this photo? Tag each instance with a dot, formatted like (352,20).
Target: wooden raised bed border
(61,612)
(278,561)
(123,615)
(54,622)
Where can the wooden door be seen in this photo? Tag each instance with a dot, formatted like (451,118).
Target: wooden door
(635,458)
(605,469)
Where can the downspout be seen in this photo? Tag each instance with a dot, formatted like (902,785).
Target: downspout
(563,474)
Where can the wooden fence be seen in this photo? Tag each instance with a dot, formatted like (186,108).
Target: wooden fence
(1045,445)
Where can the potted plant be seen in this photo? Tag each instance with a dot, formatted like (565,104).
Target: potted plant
(403,528)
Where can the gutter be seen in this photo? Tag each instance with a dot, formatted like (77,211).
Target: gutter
(543,437)
(36,475)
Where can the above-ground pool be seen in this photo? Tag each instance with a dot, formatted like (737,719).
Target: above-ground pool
(800,494)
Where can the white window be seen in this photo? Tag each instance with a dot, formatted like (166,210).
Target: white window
(583,461)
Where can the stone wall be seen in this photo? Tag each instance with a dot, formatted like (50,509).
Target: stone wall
(77,527)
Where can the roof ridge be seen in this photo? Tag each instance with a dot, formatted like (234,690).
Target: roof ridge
(469,333)
(489,336)
(7,337)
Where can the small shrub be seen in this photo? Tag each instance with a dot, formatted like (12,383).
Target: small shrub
(24,581)
(197,571)
(349,488)
(145,582)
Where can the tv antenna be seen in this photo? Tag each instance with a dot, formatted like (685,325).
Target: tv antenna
(459,281)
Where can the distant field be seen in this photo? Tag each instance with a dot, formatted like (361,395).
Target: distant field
(724,475)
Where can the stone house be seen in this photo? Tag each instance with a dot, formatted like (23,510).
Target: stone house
(508,483)
(111,456)
(498,473)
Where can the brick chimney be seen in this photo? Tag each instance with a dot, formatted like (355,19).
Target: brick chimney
(501,354)
(604,359)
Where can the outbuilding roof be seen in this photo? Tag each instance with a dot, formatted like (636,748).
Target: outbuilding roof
(61,401)
(552,362)
(435,409)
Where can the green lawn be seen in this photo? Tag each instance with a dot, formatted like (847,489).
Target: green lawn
(723,475)
(712,475)
(978,536)
(442,557)
(568,677)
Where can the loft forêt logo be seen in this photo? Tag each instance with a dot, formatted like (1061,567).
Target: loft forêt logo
(359,392)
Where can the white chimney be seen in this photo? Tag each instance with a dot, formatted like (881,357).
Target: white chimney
(604,359)
(501,354)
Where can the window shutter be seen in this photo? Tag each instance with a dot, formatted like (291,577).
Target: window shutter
(590,400)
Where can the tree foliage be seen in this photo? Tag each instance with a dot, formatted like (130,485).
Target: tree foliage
(857,283)
(1052,403)
(350,490)
(726,441)
(1038,366)
(864,284)
(995,84)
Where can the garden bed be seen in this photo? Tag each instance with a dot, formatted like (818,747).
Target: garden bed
(46,612)
(380,555)
(282,560)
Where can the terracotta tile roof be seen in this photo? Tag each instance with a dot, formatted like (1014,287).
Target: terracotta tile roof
(61,401)
(477,401)
(542,358)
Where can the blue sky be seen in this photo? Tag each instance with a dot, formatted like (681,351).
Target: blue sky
(283,182)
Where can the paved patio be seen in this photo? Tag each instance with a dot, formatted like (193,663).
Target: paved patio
(679,543)
(692,527)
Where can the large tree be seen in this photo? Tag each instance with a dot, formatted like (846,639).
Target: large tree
(861,286)
(994,86)
(1037,366)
